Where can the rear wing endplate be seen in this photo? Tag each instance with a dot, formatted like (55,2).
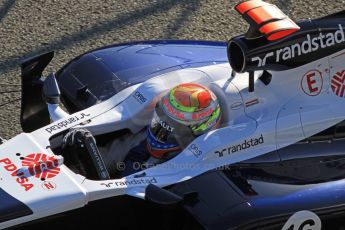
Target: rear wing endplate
(266,19)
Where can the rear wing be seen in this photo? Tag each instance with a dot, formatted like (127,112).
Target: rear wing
(266,19)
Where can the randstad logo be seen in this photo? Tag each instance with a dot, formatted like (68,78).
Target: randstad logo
(308,46)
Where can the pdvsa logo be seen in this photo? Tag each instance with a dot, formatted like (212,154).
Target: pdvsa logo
(41,166)
(338,83)
(38,165)
(19,175)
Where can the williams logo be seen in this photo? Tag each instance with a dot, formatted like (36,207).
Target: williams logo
(338,84)
(311,44)
(239,147)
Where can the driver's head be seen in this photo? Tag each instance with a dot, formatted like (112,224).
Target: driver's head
(185,112)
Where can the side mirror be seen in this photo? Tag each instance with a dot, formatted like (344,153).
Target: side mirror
(51,91)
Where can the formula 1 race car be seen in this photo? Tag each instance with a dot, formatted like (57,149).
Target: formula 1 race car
(276,162)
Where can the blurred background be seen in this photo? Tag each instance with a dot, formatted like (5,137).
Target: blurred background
(30,27)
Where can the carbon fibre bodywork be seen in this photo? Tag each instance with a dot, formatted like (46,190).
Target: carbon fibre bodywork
(123,65)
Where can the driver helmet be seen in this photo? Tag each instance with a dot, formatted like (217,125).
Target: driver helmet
(185,112)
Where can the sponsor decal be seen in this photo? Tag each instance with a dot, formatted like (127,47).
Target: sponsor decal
(203,114)
(140,97)
(312,83)
(163,124)
(338,83)
(166,126)
(309,45)
(181,116)
(38,165)
(246,144)
(108,185)
(252,102)
(65,123)
(96,157)
(195,150)
(135,181)
(49,186)
(262,62)
(171,110)
(303,220)
(19,174)
(41,166)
